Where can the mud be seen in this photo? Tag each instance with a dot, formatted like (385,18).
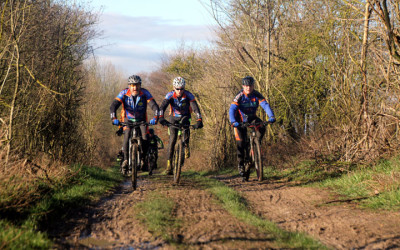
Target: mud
(321,214)
(111,224)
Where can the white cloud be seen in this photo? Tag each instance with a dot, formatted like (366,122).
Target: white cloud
(137,43)
(141,29)
(131,58)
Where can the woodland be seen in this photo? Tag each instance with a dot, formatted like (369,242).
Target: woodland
(329,69)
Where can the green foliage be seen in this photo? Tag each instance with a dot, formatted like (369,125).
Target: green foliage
(302,80)
(187,65)
(14,237)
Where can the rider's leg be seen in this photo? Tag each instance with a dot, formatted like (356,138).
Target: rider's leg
(145,146)
(173,133)
(125,148)
(260,130)
(186,135)
(240,136)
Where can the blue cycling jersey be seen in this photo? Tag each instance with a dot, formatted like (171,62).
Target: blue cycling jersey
(244,107)
(180,106)
(135,107)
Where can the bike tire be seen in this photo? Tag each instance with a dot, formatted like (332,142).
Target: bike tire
(178,161)
(257,160)
(134,153)
(139,163)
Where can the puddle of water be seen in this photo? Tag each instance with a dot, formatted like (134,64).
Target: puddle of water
(93,243)
(96,243)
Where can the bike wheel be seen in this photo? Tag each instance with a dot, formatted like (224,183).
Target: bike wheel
(139,161)
(257,159)
(134,155)
(178,161)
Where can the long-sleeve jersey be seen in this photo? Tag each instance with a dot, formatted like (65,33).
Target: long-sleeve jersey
(180,106)
(244,108)
(135,107)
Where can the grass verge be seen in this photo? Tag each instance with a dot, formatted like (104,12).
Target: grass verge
(373,186)
(27,228)
(156,212)
(377,187)
(308,172)
(236,205)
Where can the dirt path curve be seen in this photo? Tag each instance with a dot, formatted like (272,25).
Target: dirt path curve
(340,225)
(204,224)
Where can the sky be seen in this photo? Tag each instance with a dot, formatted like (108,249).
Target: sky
(137,33)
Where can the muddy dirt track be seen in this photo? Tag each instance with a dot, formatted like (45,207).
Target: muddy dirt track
(111,224)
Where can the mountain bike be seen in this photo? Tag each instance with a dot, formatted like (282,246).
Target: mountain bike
(252,154)
(178,158)
(134,148)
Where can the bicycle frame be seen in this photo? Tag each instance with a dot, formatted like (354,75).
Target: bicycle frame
(134,148)
(253,152)
(178,158)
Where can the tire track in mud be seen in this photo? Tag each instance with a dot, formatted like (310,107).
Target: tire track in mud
(305,209)
(111,223)
(207,225)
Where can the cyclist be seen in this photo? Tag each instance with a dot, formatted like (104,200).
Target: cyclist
(243,109)
(182,103)
(154,141)
(134,100)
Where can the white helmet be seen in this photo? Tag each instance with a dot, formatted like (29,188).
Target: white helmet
(179,82)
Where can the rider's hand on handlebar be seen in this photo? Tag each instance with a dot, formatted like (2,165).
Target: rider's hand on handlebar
(198,125)
(163,121)
(236,124)
(153,121)
(115,122)
(119,132)
(272,119)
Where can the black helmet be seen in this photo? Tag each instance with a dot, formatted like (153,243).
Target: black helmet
(134,79)
(248,81)
(151,131)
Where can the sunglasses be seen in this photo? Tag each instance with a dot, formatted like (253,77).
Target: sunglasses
(180,89)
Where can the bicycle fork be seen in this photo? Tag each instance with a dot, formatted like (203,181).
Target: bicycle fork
(249,156)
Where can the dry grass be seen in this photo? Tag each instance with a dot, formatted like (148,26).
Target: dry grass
(24,181)
(198,161)
(385,183)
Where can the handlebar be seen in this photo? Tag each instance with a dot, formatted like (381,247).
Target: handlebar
(180,126)
(132,124)
(252,125)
